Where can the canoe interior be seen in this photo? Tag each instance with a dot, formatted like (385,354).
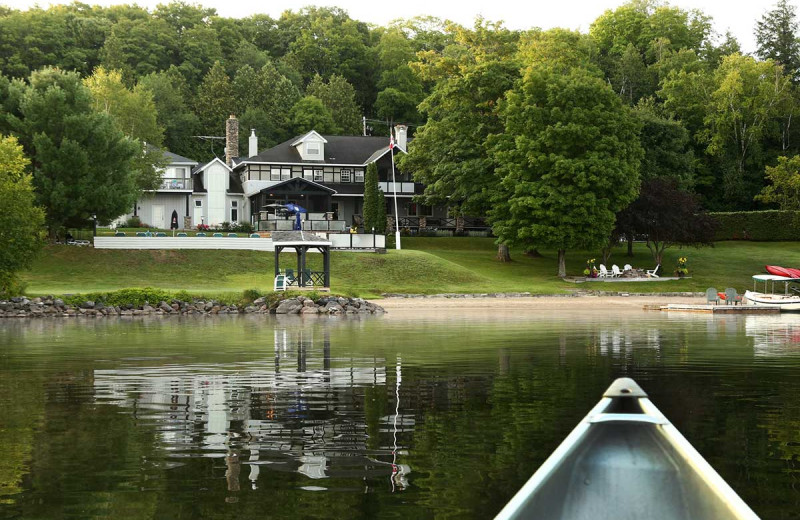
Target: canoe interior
(622,470)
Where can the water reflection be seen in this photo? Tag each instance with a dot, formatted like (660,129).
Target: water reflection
(298,411)
(433,415)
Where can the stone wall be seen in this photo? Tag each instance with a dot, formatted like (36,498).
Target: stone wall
(49,306)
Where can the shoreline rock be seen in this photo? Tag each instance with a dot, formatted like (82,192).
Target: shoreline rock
(48,306)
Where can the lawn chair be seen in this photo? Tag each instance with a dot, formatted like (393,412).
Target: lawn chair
(161,234)
(119,234)
(712,296)
(290,279)
(307,281)
(233,235)
(218,235)
(201,234)
(653,273)
(255,235)
(627,267)
(280,282)
(732,297)
(181,235)
(615,271)
(141,234)
(603,272)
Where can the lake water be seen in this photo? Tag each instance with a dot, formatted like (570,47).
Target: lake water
(399,416)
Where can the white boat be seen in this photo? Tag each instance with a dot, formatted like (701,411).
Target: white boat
(786,301)
(625,460)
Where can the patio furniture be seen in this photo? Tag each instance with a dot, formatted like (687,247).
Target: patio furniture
(181,235)
(201,234)
(290,279)
(627,267)
(280,283)
(119,234)
(653,273)
(232,235)
(712,296)
(307,281)
(161,234)
(732,297)
(141,234)
(255,235)
(218,235)
(603,272)
(615,271)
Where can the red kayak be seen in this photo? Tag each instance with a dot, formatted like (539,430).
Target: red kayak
(788,272)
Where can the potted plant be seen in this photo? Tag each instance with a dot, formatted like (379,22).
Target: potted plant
(591,270)
(681,270)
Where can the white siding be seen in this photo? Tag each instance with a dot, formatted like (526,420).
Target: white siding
(216,177)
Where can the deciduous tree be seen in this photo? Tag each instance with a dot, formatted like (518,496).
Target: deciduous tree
(784,189)
(568,160)
(310,114)
(21,221)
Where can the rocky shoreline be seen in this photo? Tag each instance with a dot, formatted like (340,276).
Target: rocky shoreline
(49,306)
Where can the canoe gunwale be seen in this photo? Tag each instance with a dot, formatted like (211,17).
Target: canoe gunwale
(650,417)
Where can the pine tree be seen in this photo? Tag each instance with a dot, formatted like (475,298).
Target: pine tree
(776,37)
(380,225)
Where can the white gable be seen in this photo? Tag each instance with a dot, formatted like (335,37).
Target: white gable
(311,147)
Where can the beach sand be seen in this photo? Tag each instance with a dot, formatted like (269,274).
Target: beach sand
(541,303)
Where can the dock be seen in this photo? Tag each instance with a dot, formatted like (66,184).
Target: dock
(722,309)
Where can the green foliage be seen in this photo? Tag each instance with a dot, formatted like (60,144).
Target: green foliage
(339,98)
(310,114)
(471,77)
(380,214)
(169,93)
(568,160)
(82,164)
(776,38)
(761,226)
(667,148)
(785,188)
(215,100)
(21,221)
(370,213)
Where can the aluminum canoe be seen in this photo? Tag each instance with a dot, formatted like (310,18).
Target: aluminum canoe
(625,460)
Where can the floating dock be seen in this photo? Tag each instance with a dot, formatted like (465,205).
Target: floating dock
(722,309)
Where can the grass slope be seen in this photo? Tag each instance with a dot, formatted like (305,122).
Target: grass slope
(425,265)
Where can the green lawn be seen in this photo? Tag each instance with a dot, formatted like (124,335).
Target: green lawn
(425,265)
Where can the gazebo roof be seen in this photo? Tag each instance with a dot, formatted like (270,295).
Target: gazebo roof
(298,238)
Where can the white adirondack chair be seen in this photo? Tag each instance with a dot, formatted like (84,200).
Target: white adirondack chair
(615,271)
(603,272)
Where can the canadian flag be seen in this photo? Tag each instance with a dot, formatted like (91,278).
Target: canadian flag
(391,141)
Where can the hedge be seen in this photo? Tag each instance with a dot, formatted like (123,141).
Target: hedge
(763,226)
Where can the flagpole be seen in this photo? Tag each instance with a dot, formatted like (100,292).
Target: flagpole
(394,183)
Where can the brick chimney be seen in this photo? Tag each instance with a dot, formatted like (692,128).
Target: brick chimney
(231,139)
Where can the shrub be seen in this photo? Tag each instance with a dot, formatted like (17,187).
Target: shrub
(764,226)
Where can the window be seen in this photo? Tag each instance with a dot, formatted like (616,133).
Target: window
(312,148)
(286,174)
(308,174)
(359,176)
(198,204)
(180,173)
(275,174)
(317,175)
(234,211)
(345,175)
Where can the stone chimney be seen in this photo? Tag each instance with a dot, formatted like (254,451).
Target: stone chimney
(231,139)
(401,137)
(253,144)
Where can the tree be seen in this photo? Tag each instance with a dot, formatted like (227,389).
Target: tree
(568,160)
(310,114)
(668,216)
(380,220)
(400,90)
(215,100)
(339,97)
(372,199)
(21,221)
(83,165)
(776,38)
(172,112)
(785,188)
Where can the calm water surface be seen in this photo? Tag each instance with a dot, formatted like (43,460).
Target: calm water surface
(394,417)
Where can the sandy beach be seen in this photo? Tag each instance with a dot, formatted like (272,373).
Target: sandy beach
(534,302)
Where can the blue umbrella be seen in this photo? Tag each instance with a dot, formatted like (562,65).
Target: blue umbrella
(294,208)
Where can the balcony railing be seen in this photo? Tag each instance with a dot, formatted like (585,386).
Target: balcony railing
(176,184)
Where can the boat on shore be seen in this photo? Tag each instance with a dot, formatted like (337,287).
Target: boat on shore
(625,460)
(788,301)
(777,270)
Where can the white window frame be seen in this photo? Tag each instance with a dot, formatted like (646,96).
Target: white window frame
(313,148)
(318,175)
(235,207)
(348,174)
(358,176)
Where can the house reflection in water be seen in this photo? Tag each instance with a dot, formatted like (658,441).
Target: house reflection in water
(303,411)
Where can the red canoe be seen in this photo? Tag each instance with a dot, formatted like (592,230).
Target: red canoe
(788,272)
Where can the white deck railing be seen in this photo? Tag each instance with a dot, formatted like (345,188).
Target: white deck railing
(358,241)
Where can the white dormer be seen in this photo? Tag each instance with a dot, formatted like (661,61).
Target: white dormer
(311,147)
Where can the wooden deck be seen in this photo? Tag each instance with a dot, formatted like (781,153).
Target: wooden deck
(722,309)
